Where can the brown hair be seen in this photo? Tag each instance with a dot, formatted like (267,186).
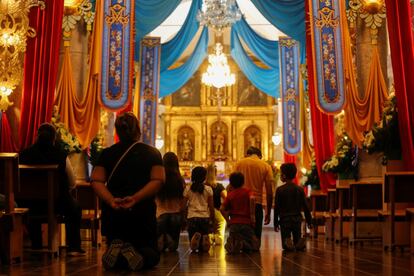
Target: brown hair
(46,135)
(127,127)
(211,176)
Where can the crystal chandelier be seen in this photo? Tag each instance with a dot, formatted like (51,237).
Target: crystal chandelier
(218,71)
(14,30)
(219,14)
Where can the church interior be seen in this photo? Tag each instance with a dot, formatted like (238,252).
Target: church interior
(325,84)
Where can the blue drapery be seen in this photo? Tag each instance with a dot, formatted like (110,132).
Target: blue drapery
(266,50)
(174,79)
(149,14)
(266,80)
(288,16)
(172,50)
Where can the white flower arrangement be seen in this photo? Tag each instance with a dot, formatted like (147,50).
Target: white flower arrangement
(345,160)
(384,136)
(68,142)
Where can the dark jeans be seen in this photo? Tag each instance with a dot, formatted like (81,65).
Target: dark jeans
(290,226)
(259,221)
(67,207)
(245,233)
(200,225)
(150,256)
(170,223)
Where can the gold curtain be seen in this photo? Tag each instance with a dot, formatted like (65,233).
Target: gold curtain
(82,116)
(361,114)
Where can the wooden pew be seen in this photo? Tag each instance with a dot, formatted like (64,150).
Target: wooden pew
(11,219)
(329,215)
(319,205)
(342,217)
(398,195)
(410,217)
(366,202)
(40,182)
(91,213)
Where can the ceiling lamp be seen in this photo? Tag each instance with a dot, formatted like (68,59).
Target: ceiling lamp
(277,138)
(218,14)
(373,6)
(218,71)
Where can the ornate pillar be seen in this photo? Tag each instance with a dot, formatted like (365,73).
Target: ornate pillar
(234,144)
(367,29)
(150,80)
(204,139)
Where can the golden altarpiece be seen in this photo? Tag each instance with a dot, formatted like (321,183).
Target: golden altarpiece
(203,124)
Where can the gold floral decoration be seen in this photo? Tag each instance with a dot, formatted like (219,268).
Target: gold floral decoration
(74,12)
(372,12)
(14,30)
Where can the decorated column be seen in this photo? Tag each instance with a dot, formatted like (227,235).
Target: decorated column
(289,83)
(148,92)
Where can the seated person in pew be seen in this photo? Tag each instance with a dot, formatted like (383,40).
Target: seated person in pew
(3,202)
(45,152)
(290,201)
(127,177)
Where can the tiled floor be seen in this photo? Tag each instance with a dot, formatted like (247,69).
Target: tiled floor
(321,258)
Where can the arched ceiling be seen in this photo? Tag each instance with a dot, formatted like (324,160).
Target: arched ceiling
(173,23)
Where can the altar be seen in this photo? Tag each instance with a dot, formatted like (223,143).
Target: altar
(203,124)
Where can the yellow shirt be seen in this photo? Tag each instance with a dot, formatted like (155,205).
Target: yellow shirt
(256,173)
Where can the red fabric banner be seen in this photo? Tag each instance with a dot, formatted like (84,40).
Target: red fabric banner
(322,124)
(7,144)
(288,158)
(40,69)
(402,56)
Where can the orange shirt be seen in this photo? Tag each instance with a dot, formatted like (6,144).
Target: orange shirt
(256,173)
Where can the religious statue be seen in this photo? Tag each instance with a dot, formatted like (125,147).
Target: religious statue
(253,140)
(218,142)
(186,147)
(252,137)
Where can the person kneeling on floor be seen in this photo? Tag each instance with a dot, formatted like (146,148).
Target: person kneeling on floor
(289,202)
(239,210)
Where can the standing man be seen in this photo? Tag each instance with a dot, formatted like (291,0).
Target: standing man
(257,173)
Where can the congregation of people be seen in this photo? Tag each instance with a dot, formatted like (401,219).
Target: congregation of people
(146,203)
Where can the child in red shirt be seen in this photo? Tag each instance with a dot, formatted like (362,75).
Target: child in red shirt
(239,211)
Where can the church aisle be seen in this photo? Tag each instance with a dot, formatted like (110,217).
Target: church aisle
(321,258)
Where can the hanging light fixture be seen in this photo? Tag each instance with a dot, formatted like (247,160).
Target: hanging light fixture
(219,14)
(14,30)
(218,72)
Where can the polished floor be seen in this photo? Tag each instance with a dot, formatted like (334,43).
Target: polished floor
(320,258)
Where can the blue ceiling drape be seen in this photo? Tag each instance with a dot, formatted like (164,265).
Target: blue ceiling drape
(266,80)
(266,50)
(149,14)
(173,49)
(288,16)
(174,79)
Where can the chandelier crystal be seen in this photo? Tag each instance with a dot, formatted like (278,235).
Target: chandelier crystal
(219,14)
(218,71)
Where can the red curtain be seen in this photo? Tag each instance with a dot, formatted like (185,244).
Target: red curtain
(7,144)
(322,124)
(289,158)
(402,55)
(40,69)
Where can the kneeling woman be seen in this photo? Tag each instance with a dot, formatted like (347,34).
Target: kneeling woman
(133,174)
